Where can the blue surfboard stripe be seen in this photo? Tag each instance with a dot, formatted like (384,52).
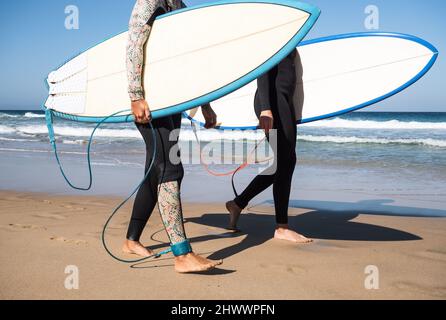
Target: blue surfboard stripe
(371,102)
(279,56)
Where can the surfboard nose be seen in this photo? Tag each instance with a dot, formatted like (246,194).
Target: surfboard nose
(314,11)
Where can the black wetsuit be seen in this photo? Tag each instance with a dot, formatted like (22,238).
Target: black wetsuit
(275,93)
(164,169)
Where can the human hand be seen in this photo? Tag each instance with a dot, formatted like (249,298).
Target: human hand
(141,111)
(266,121)
(210,116)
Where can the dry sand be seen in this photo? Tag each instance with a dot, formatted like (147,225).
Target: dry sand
(41,234)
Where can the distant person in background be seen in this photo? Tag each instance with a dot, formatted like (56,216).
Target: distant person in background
(274,106)
(164,181)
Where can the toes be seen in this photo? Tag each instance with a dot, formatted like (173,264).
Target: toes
(142,253)
(215,262)
(201,268)
(210,267)
(306,240)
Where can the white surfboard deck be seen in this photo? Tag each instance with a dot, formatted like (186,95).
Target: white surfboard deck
(339,74)
(193,56)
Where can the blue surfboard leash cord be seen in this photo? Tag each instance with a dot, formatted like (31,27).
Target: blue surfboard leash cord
(176,249)
(49,115)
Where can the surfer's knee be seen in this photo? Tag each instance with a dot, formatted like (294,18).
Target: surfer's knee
(286,168)
(287,160)
(170,173)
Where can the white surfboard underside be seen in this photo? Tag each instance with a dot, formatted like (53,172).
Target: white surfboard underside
(188,55)
(337,75)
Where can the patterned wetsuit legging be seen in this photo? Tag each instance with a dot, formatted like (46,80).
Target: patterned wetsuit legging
(163,184)
(281,85)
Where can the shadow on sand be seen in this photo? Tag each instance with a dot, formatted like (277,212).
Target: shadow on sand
(257,228)
(317,224)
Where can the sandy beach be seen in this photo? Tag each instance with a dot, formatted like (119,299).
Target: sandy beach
(375,203)
(41,234)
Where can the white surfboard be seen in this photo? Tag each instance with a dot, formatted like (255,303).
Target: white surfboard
(339,74)
(193,56)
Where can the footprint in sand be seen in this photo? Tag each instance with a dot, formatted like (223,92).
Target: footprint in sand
(419,289)
(22,227)
(117,227)
(45,201)
(69,241)
(432,254)
(293,269)
(50,216)
(70,207)
(122,224)
(12,198)
(95,235)
(98,204)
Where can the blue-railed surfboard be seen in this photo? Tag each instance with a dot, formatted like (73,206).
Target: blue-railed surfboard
(193,56)
(337,75)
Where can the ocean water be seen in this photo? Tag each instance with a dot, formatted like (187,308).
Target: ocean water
(400,139)
(383,155)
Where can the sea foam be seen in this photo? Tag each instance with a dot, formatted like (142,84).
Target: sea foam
(33,115)
(384,125)
(343,140)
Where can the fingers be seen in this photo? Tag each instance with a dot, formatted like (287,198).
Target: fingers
(210,117)
(141,112)
(266,124)
(140,117)
(211,122)
(147,114)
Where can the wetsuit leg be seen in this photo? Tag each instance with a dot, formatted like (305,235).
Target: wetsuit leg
(285,123)
(284,79)
(145,202)
(164,170)
(266,178)
(256,187)
(169,196)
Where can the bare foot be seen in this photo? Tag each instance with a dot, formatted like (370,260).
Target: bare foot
(234,214)
(284,233)
(194,263)
(135,247)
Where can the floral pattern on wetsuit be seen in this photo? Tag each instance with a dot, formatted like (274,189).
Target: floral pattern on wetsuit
(169,203)
(139,32)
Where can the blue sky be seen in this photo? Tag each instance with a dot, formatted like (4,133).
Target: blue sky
(34,41)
